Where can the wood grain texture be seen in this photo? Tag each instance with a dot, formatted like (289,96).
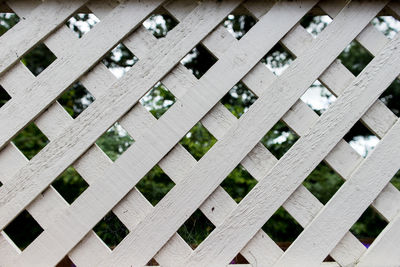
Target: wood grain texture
(67,228)
(63,72)
(256,208)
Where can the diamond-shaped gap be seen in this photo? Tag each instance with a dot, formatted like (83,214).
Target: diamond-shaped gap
(368,226)
(38,59)
(65,262)
(153,262)
(70,185)
(82,23)
(391,97)
(396,180)
(278,59)
(239,259)
(196,228)
(76,99)
(23,230)
(199,60)
(115,141)
(111,230)
(30,140)
(355,57)
(155,185)
(239,183)
(158,100)
(7,20)
(198,141)
(119,60)
(279,139)
(323,182)
(160,23)
(315,21)
(239,22)
(4,96)
(318,97)
(361,139)
(282,228)
(388,25)
(239,99)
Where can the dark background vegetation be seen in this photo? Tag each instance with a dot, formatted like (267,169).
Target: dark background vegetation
(323,182)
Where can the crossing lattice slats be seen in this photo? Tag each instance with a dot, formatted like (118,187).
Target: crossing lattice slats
(67,228)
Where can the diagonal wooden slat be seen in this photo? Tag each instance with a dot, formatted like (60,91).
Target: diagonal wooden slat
(363,89)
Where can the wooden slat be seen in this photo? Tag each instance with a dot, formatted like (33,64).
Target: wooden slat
(384,250)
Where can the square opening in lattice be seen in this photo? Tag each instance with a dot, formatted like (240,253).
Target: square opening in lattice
(239,22)
(4,96)
(70,185)
(196,229)
(199,60)
(155,185)
(323,182)
(238,183)
(111,230)
(368,226)
(115,141)
(396,180)
(152,262)
(391,97)
(318,97)
(315,21)
(361,139)
(76,99)
(158,100)
(198,141)
(7,21)
(282,228)
(355,57)
(160,23)
(23,230)
(278,59)
(38,59)
(238,99)
(119,60)
(82,23)
(279,139)
(388,25)
(30,141)
(238,259)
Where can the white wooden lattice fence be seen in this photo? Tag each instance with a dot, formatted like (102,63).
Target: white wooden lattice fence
(67,228)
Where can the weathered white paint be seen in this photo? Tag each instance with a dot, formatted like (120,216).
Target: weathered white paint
(67,228)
